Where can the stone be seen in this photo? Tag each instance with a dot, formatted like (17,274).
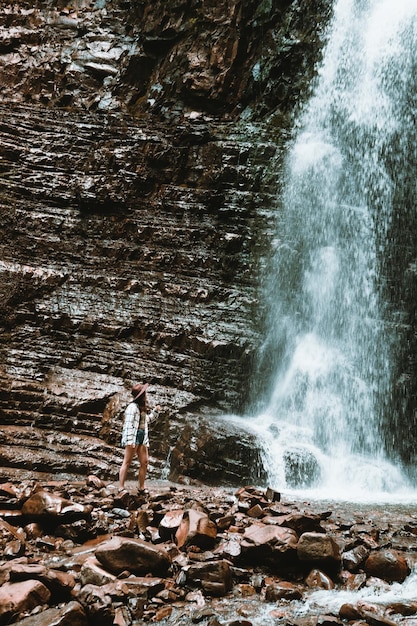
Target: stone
(353,559)
(215,577)
(60,584)
(72,614)
(282,591)
(20,597)
(263,543)
(389,565)
(300,522)
(196,529)
(319,549)
(317,579)
(134,555)
(92,573)
(302,468)
(43,504)
(272,495)
(169,524)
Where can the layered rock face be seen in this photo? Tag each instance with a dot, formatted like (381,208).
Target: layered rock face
(137,213)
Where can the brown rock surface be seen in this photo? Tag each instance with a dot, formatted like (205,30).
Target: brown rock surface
(133,555)
(136,213)
(231,578)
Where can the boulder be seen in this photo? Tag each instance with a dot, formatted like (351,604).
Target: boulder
(71,614)
(353,559)
(196,528)
(169,524)
(389,565)
(93,574)
(215,577)
(45,505)
(217,452)
(134,555)
(283,590)
(319,550)
(19,597)
(319,580)
(272,544)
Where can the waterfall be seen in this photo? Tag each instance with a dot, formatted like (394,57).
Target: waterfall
(331,337)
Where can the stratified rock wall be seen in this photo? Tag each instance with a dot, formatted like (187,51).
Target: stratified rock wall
(136,213)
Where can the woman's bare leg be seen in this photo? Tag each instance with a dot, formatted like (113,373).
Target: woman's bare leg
(142,452)
(127,459)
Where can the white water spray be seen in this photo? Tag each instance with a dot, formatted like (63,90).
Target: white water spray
(323,425)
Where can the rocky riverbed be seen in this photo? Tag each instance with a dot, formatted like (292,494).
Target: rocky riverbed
(83,552)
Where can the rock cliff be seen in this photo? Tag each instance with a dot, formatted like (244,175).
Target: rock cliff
(140,146)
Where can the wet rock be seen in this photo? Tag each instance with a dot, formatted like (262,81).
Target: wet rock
(98,602)
(319,580)
(272,495)
(320,550)
(219,452)
(349,612)
(134,555)
(197,529)
(389,565)
(93,574)
(269,544)
(49,506)
(353,559)
(60,584)
(299,522)
(302,469)
(282,590)
(405,608)
(215,577)
(170,524)
(328,620)
(71,614)
(21,597)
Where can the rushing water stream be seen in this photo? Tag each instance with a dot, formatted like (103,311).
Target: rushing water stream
(331,331)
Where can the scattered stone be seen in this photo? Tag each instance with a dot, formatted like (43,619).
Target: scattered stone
(353,559)
(135,555)
(389,565)
(319,549)
(282,590)
(196,528)
(21,597)
(215,577)
(44,504)
(72,614)
(130,570)
(319,580)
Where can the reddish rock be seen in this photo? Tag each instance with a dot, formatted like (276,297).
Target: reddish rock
(59,583)
(282,590)
(169,524)
(261,543)
(319,580)
(319,549)
(20,597)
(71,614)
(349,612)
(45,504)
(353,559)
(215,577)
(196,528)
(389,565)
(134,555)
(300,522)
(93,574)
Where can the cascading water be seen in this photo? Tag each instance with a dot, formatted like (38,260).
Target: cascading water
(330,331)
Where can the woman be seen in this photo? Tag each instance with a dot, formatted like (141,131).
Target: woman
(135,438)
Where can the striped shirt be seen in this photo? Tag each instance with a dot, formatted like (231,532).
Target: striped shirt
(133,420)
